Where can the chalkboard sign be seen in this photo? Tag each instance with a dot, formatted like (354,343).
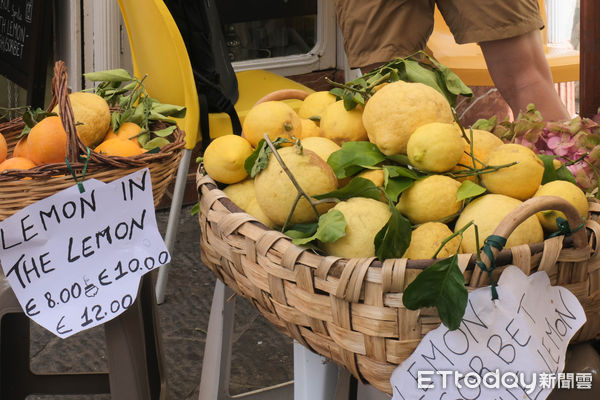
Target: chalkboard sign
(25,40)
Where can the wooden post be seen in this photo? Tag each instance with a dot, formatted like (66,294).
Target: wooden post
(589,64)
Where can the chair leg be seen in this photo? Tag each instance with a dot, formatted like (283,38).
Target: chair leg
(173,221)
(315,377)
(134,349)
(214,381)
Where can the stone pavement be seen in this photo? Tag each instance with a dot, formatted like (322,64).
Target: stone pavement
(262,356)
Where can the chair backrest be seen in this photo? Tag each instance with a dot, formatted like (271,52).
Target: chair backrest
(158,51)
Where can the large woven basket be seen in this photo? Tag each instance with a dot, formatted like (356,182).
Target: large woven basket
(350,310)
(19,188)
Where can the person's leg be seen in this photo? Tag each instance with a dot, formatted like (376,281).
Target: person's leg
(521,73)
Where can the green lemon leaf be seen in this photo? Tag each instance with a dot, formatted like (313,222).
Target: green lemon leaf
(301,231)
(169,110)
(450,80)
(166,131)
(442,285)
(349,101)
(353,157)
(552,174)
(415,72)
(397,171)
(401,159)
(195,209)
(337,92)
(259,159)
(331,227)
(358,187)
(155,143)
(468,189)
(485,124)
(395,186)
(393,239)
(110,75)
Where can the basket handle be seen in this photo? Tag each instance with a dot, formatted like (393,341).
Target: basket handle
(527,209)
(60,93)
(283,94)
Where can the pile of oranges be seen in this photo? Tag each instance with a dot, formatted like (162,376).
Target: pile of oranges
(46,142)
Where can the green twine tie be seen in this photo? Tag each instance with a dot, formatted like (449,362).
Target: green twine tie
(79,183)
(497,242)
(564,228)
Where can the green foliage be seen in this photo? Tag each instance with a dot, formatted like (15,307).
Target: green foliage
(394,238)
(129,94)
(331,227)
(354,157)
(358,187)
(259,159)
(418,67)
(442,285)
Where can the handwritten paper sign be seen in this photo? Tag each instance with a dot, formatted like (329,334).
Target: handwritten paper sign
(74,260)
(502,349)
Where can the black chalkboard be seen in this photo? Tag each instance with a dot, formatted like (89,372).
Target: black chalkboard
(25,41)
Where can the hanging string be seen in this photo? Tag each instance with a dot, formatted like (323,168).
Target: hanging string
(79,183)
(497,242)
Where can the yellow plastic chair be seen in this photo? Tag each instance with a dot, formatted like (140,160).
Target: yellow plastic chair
(466,60)
(158,51)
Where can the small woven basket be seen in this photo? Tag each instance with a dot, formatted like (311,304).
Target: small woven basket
(20,188)
(351,310)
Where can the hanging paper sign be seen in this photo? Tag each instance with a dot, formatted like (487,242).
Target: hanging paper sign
(511,348)
(74,260)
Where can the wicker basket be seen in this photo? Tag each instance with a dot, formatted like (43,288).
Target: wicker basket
(350,310)
(19,188)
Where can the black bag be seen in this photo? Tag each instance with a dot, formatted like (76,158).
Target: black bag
(216,83)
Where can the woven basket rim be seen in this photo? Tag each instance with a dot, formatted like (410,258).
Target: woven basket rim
(503,257)
(74,145)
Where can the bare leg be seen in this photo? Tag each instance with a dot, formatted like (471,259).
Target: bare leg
(520,71)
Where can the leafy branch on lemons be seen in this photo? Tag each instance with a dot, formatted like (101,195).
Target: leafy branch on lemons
(127,92)
(419,67)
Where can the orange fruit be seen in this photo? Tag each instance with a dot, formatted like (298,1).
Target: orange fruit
(20,149)
(118,147)
(110,135)
(16,163)
(3,148)
(47,142)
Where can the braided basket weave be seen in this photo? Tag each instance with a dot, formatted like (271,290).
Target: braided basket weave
(350,310)
(19,188)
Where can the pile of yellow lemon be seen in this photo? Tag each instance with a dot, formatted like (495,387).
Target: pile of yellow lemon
(401,118)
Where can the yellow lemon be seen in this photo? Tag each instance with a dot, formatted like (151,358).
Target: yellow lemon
(486,212)
(427,238)
(276,193)
(315,103)
(521,180)
(364,218)
(341,125)
(374,175)
(430,199)
(483,141)
(241,193)
(321,145)
(224,158)
(435,147)
(310,129)
(92,117)
(275,118)
(568,191)
(396,110)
